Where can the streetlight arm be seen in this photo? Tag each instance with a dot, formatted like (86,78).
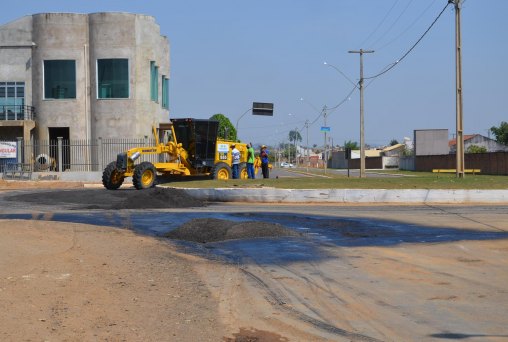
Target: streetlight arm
(241,116)
(340,72)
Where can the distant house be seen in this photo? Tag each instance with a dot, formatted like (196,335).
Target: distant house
(396,150)
(479,140)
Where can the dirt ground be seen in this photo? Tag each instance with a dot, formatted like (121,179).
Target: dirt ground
(77,282)
(74,282)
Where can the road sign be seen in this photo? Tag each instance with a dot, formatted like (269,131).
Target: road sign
(325,129)
(260,108)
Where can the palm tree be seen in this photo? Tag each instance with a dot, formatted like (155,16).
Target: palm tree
(295,136)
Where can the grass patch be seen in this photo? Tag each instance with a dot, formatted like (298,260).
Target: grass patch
(410,180)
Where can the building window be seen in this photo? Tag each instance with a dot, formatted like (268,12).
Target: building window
(165,93)
(12,100)
(60,79)
(113,78)
(154,82)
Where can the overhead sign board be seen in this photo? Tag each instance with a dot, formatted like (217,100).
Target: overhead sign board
(262,108)
(325,129)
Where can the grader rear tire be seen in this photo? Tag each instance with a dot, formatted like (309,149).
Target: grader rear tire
(144,176)
(222,171)
(112,179)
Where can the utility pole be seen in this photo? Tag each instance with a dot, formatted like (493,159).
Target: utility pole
(307,143)
(289,151)
(458,82)
(362,135)
(325,159)
(296,154)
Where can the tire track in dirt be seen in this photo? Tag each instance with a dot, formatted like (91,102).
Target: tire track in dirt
(278,301)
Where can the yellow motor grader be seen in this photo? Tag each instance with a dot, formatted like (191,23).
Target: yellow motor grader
(183,147)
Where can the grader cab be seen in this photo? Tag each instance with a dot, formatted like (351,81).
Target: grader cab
(183,147)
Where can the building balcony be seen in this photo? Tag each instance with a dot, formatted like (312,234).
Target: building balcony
(17,113)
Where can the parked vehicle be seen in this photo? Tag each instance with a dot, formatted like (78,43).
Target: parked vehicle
(286,165)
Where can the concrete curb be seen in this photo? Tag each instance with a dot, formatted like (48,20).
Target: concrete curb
(271,195)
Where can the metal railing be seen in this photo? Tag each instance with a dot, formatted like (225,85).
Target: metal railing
(17,171)
(74,155)
(16,112)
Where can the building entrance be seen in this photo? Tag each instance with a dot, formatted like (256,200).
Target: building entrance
(54,134)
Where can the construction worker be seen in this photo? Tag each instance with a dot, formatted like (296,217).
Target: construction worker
(264,162)
(235,161)
(250,161)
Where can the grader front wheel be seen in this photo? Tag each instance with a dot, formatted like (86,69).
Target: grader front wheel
(242,171)
(112,179)
(222,171)
(144,176)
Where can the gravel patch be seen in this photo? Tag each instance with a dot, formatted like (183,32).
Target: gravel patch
(205,230)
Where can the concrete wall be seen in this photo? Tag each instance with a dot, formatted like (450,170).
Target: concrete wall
(390,162)
(407,163)
(16,47)
(60,36)
(338,160)
(16,54)
(489,163)
(136,37)
(370,163)
(431,142)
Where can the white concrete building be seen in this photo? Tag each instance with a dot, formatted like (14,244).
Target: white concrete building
(82,76)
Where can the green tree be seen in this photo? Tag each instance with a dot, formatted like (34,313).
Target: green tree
(351,144)
(226,128)
(393,142)
(476,149)
(501,132)
(407,152)
(294,136)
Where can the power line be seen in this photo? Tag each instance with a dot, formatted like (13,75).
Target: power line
(393,24)
(391,66)
(380,24)
(348,96)
(330,109)
(409,27)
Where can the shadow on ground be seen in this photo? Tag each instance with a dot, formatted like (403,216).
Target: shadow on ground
(264,238)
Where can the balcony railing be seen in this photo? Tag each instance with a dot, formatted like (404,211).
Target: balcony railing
(12,112)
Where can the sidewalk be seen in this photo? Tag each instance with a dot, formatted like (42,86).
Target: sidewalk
(272,195)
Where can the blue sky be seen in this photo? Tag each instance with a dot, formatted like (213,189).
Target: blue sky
(225,54)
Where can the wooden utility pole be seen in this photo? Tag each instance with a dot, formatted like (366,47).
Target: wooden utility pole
(362,133)
(325,159)
(458,80)
(307,143)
